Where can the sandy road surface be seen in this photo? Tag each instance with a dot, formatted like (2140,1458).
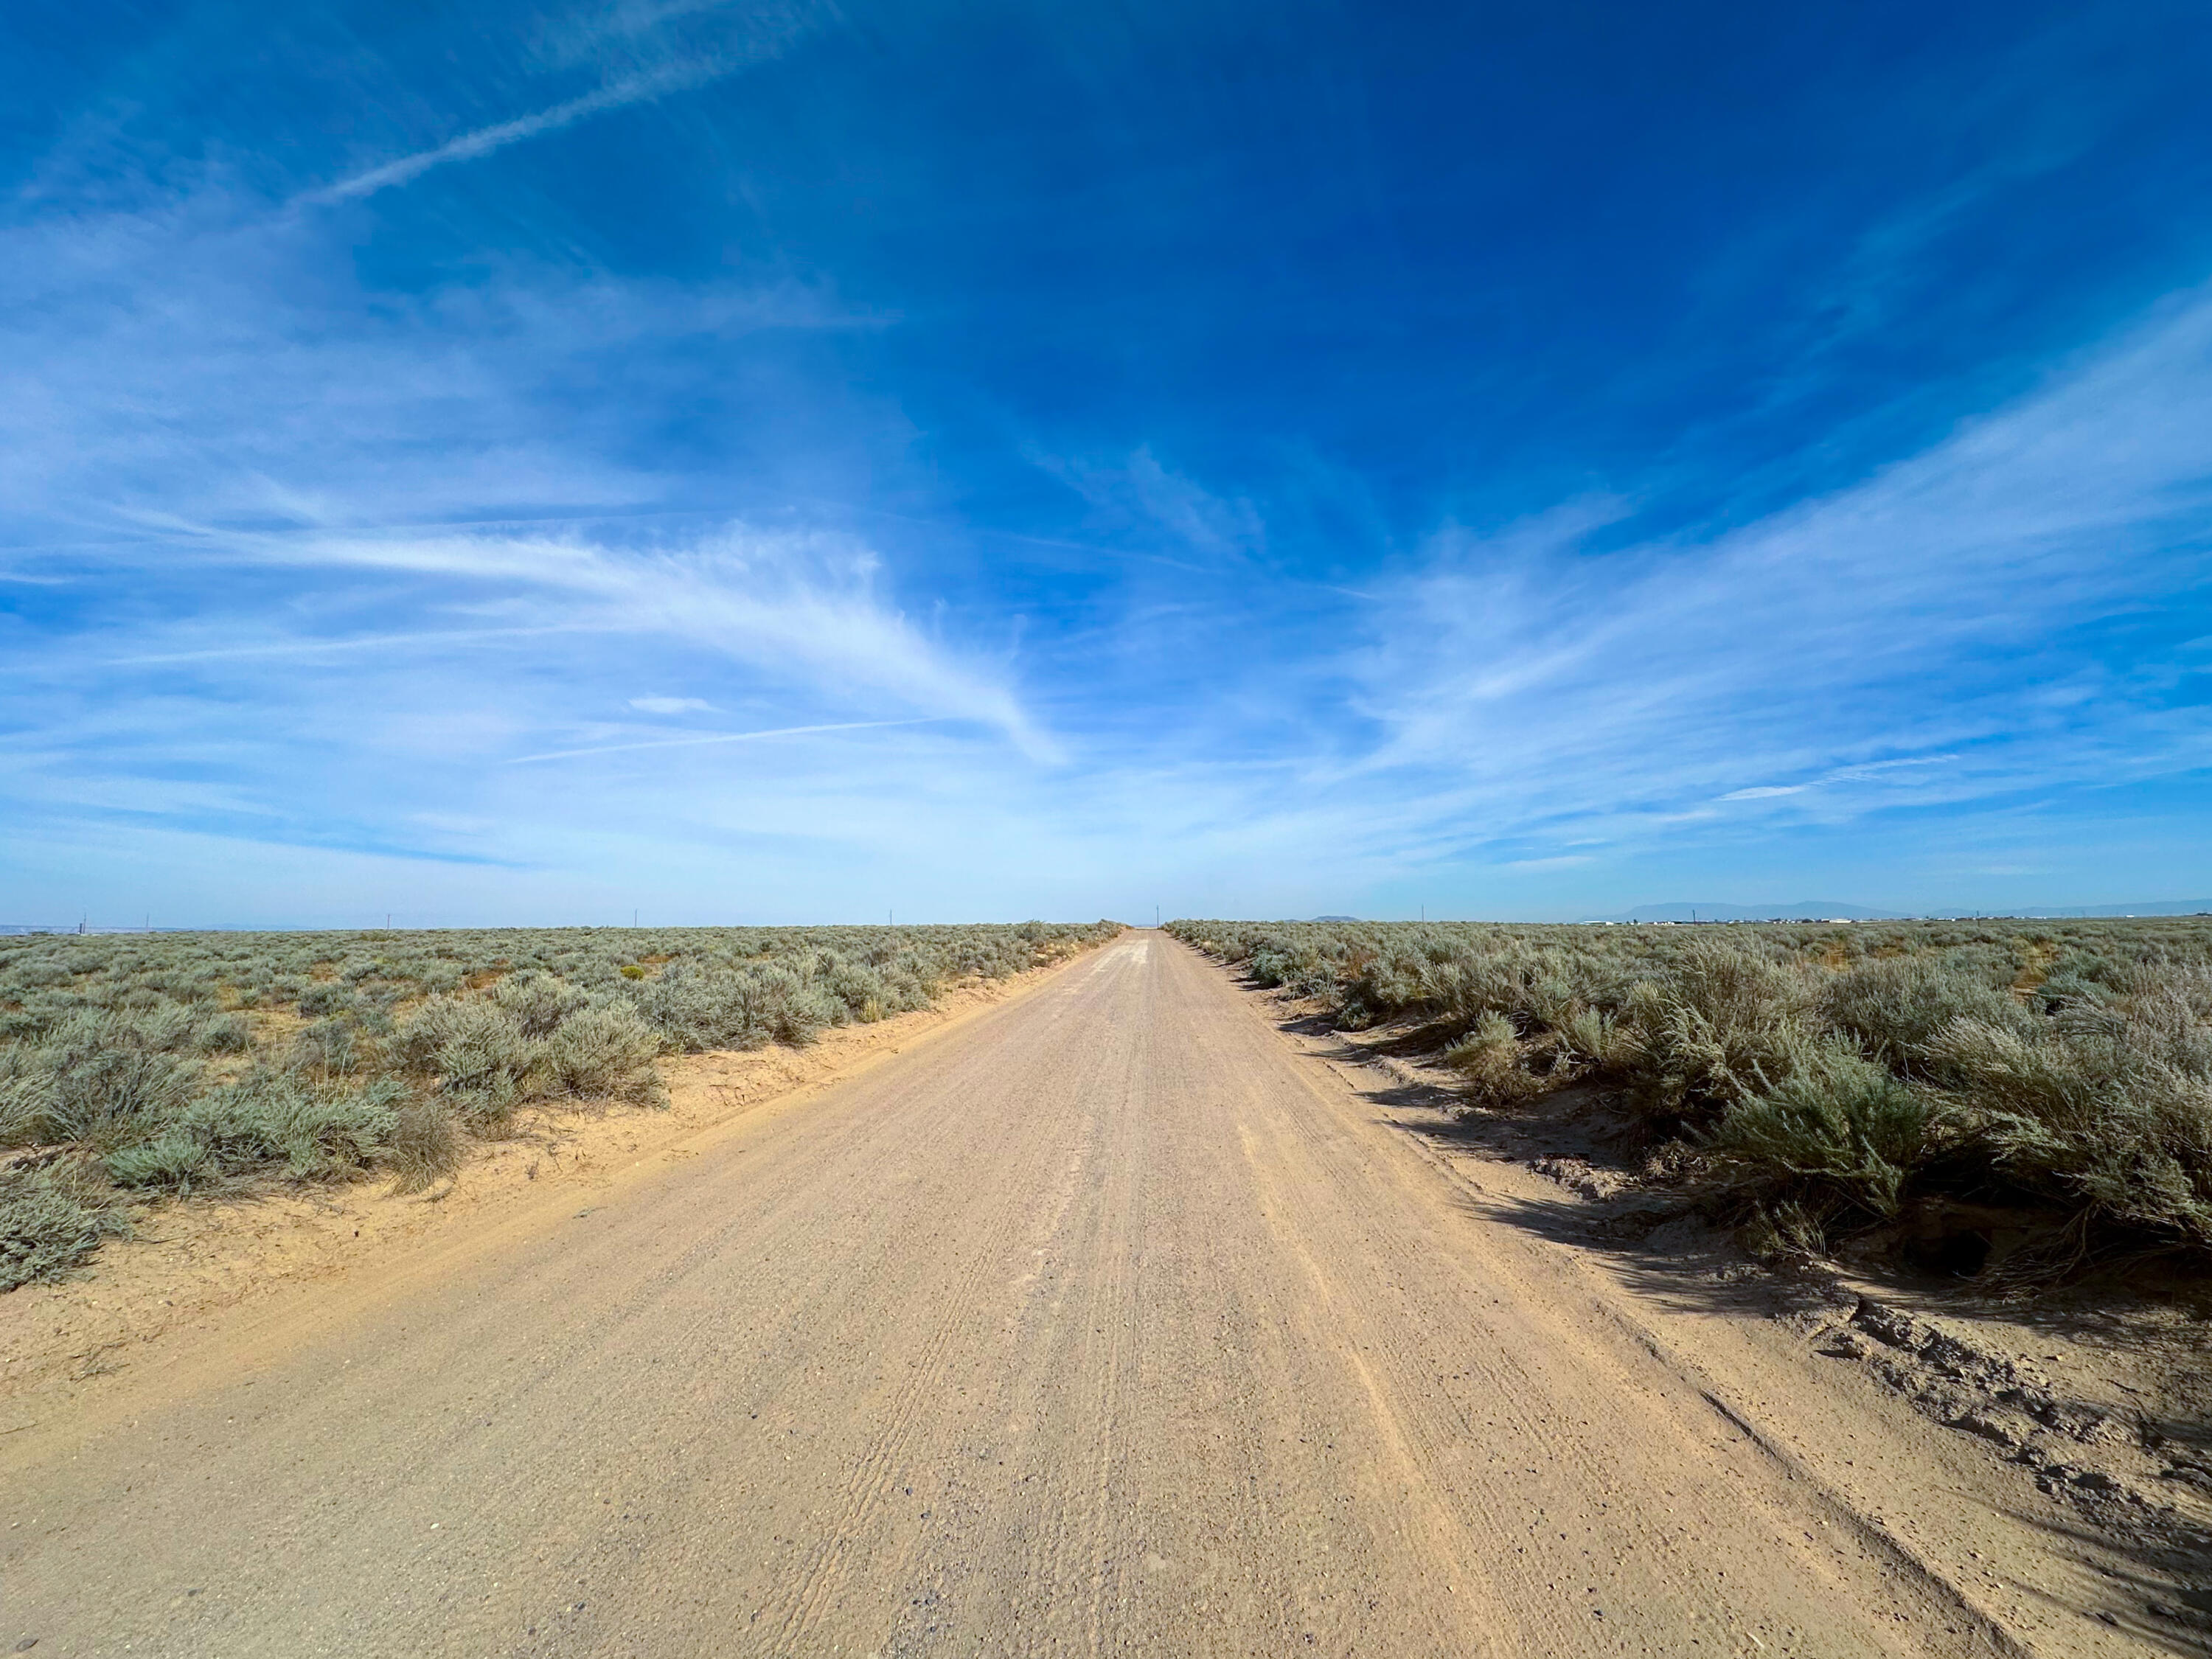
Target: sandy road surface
(1101,1326)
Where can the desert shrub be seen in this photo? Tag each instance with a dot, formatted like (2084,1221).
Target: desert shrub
(1489,1058)
(278,1117)
(118,1051)
(26,1096)
(1595,1037)
(473,1046)
(159,1027)
(685,1004)
(2026,1076)
(793,1010)
(1832,1074)
(226,1035)
(1839,1121)
(320,1001)
(538,1002)
(1896,1007)
(53,1213)
(426,1142)
(92,1079)
(748,1007)
(607,1050)
(2109,1110)
(1723,1028)
(327,1046)
(859,988)
(177,1159)
(2080,974)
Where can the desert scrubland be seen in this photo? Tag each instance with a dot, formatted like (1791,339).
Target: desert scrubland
(1345,1288)
(2014,1102)
(142,1067)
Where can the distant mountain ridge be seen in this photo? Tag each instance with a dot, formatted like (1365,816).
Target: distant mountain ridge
(1837,911)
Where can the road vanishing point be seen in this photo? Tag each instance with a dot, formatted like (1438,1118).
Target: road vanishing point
(1104,1322)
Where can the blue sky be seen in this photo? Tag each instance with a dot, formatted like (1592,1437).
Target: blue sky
(788,462)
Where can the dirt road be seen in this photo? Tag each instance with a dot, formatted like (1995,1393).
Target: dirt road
(1101,1325)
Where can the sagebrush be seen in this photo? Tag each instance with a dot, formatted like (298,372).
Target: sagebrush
(165,1064)
(1834,1075)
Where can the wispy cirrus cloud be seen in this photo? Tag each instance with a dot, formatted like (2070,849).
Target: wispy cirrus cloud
(1139,497)
(1866,773)
(672,705)
(706,738)
(194,363)
(238,481)
(801,604)
(1943,630)
(352,456)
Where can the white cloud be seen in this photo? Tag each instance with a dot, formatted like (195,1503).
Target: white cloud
(672,705)
(285,527)
(1138,494)
(1894,637)
(712,738)
(1862,774)
(195,363)
(801,605)
(294,517)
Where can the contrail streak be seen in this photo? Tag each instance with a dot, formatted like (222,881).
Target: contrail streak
(635,89)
